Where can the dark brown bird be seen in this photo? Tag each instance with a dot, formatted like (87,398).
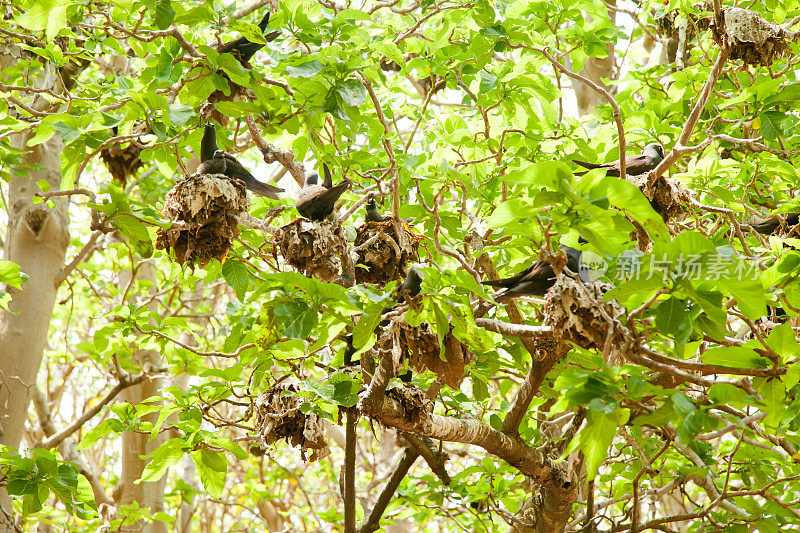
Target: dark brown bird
(215,165)
(242,49)
(316,201)
(232,168)
(411,286)
(535,280)
(649,159)
(373,215)
(768,226)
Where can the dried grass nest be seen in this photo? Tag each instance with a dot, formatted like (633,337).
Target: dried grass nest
(206,206)
(751,38)
(313,248)
(382,255)
(578,314)
(420,345)
(278,415)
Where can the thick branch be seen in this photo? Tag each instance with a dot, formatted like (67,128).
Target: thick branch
(272,153)
(427,450)
(514,330)
(350,472)
(527,460)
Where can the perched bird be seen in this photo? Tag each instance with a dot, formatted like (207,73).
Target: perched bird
(317,201)
(215,165)
(373,215)
(232,168)
(535,280)
(768,226)
(649,159)
(242,49)
(411,286)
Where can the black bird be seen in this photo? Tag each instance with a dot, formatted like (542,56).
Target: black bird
(373,215)
(649,159)
(535,280)
(215,165)
(232,168)
(242,49)
(768,226)
(317,201)
(411,286)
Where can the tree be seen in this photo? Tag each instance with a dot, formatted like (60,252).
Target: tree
(192,344)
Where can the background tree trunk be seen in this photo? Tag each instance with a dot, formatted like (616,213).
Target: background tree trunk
(36,240)
(137,445)
(596,68)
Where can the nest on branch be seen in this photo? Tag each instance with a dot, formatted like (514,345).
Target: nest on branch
(385,256)
(122,159)
(420,346)
(751,38)
(207,207)
(580,315)
(667,196)
(413,402)
(313,248)
(278,415)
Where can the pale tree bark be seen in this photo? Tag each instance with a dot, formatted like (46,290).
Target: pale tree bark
(137,445)
(36,239)
(596,68)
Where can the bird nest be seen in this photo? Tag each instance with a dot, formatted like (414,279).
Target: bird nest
(122,162)
(412,401)
(420,345)
(278,415)
(206,207)
(580,315)
(751,38)
(381,256)
(313,248)
(666,195)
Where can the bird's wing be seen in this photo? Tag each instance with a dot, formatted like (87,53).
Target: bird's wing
(513,280)
(586,164)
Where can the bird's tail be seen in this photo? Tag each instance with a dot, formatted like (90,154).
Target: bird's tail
(494,282)
(586,164)
(264,23)
(263,189)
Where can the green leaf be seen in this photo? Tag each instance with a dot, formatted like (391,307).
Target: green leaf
(771,124)
(340,389)
(734,356)
(297,317)
(672,318)
(10,274)
(135,232)
(211,467)
(237,276)
(305,70)
(352,92)
(773,394)
(180,114)
(594,440)
(162,458)
(48,15)
(783,341)
(164,14)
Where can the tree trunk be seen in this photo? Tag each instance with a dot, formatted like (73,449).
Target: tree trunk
(137,445)
(596,68)
(36,240)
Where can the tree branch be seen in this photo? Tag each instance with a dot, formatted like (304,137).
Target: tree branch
(372,523)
